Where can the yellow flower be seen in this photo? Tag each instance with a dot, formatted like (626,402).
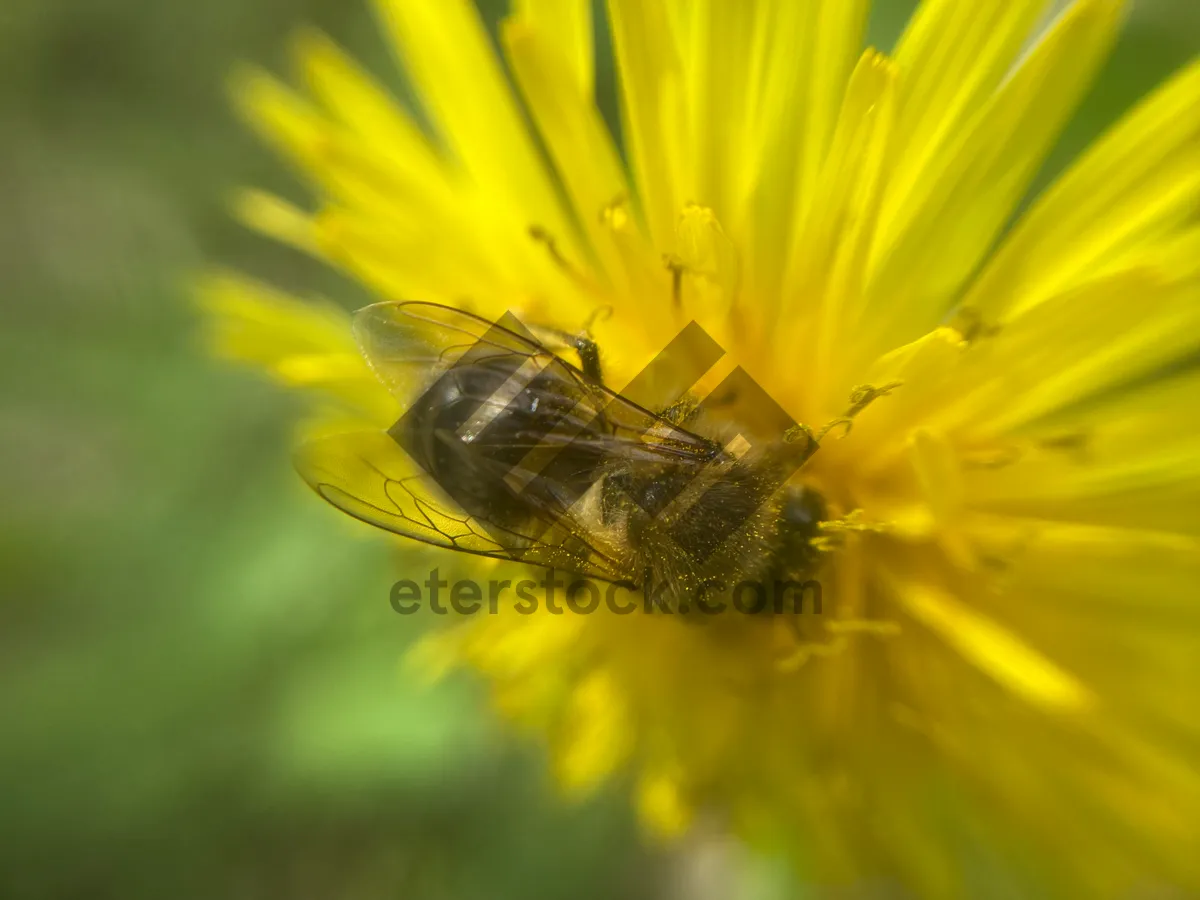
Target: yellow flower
(1005,682)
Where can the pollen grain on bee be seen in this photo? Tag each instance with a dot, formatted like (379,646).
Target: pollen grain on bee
(554,594)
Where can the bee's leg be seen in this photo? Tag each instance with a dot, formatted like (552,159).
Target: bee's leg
(585,348)
(589,358)
(582,343)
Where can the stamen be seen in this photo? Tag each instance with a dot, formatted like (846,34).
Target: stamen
(854,521)
(841,631)
(676,267)
(876,627)
(1000,561)
(806,651)
(1075,444)
(704,251)
(842,422)
(542,236)
(599,314)
(999,458)
(835,531)
(860,398)
(968,322)
(615,215)
(864,395)
(581,278)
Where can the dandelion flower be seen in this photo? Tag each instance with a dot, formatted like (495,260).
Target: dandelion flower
(1006,682)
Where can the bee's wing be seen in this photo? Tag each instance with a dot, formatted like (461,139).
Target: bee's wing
(369,477)
(407,343)
(403,342)
(558,434)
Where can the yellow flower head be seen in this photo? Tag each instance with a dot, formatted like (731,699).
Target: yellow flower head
(1003,678)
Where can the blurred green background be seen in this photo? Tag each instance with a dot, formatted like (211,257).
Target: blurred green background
(200,691)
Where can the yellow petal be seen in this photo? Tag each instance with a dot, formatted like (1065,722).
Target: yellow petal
(1105,598)
(1092,339)
(999,653)
(280,116)
(953,56)
(1135,463)
(567,24)
(370,156)
(445,50)
(381,128)
(576,136)
(276,218)
(652,109)
(662,806)
(1138,182)
(322,150)
(718,47)
(926,371)
(831,246)
(938,472)
(593,737)
(402,260)
(302,344)
(706,253)
(1117,605)
(933,237)
(939,475)
(802,59)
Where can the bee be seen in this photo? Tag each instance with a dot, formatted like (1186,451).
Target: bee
(509,451)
